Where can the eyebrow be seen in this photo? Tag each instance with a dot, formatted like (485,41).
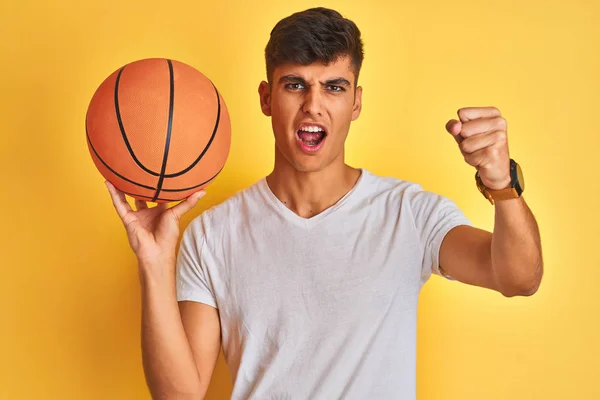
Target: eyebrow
(338,81)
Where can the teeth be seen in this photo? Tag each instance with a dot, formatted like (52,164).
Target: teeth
(311,129)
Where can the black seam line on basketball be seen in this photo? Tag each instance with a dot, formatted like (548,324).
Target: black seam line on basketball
(110,169)
(150,197)
(192,187)
(212,137)
(169,128)
(122,128)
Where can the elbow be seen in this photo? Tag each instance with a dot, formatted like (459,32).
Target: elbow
(525,287)
(522,291)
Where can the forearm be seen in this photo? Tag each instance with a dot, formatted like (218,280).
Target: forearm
(516,248)
(168,361)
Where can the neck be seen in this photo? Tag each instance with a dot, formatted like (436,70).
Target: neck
(310,193)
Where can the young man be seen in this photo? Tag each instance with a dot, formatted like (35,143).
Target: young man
(309,279)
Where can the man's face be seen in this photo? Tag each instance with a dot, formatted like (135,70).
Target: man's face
(311,108)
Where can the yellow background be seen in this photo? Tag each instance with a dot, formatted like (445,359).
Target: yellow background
(69,292)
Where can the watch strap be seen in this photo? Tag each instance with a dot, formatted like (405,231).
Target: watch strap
(503,194)
(512,192)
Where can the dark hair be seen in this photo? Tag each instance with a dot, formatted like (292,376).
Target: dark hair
(317,34)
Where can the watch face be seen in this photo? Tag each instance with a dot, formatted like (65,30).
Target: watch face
(521,178)
(517,176)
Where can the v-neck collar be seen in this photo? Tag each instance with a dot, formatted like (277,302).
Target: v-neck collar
(309,222)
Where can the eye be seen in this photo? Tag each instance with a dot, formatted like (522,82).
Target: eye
(294,86)
(335,88)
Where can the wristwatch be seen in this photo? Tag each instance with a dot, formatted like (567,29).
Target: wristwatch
(514,191)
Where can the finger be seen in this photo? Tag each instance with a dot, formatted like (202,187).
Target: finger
(182,208)
(483,125)
(471,113)
(118,199)
(454,127)
(140,204)
(162,206)
(474,143)
(481,158)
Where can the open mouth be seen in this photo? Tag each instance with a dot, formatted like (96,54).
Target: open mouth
(311,136)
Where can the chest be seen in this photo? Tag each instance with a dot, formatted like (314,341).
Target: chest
(338,273)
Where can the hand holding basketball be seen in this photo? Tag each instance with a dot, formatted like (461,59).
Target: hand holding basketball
(158,130)
(152,232)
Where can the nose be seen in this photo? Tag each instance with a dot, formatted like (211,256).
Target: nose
(312,102)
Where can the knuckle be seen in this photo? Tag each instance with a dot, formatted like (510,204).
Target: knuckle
(464,146)
(500,122)
(501,136)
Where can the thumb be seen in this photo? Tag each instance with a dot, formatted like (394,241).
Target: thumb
(182,208)
(454,127)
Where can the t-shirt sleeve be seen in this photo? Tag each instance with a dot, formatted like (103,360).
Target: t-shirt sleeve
(435,215)
(192,279)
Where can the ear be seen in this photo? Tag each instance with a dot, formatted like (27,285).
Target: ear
(264,92)
(357,107)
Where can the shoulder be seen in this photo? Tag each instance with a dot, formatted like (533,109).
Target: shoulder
(395,188)
(404,194)
(230,212)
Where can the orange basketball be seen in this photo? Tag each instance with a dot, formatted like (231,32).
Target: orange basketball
(158,130)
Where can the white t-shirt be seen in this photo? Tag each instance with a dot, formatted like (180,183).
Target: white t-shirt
(324,307)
